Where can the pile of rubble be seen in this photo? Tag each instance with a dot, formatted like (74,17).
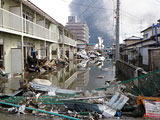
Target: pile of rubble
(43,65)
(39,97)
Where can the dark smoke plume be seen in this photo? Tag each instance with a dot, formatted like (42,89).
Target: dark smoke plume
(99,16)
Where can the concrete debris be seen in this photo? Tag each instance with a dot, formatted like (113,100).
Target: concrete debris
(42,88)
(101,58)
(101,77)
(42,81)
(91,57)
(82,54)
(21,109)
(109,112)
(40,95)
(106,69)
(83,63)
(43,65)
(46,88)
(117,101)
(52,93)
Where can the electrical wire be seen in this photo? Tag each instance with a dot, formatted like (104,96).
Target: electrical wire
(93,7)
(90,5)
(95,12)
(135,17)
(102,8)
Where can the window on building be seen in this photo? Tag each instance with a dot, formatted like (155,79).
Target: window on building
(145,36)
(54,52)
(27,15)
(47,24)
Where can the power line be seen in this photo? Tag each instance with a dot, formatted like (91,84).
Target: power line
(92,3)
(93,7)
(135,17)
(102,8)
(92,14)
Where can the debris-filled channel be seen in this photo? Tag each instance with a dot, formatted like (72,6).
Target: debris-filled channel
(87,90)
(68,83)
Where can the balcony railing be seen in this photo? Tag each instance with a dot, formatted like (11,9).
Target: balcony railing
(70,41)
(12,21)
(67,41)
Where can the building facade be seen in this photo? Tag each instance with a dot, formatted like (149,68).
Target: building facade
(25,28)
(144,53)
(80,29)
(132,40)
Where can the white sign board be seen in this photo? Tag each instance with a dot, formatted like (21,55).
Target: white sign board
(152,108)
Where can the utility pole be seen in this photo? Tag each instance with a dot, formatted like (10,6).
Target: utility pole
(156,32)
(117,30)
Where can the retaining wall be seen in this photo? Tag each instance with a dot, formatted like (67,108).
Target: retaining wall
(127,70)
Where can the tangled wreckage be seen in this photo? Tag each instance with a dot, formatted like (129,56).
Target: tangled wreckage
(131,98)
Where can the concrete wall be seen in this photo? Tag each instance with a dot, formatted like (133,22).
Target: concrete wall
(154,56)
(126,70)
(10,41)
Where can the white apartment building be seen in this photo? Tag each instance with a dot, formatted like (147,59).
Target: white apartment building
(23,28)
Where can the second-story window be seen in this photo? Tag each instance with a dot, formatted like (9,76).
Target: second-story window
(47,24)
(27,15)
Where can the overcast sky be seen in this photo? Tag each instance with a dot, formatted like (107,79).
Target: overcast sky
(135,14)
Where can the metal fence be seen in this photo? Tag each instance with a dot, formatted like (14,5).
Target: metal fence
(146,85)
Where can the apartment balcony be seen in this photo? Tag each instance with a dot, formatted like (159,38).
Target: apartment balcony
(12,23)
(68,41)
(60,39)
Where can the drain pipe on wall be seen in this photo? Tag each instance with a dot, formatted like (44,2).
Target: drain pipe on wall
(136,74)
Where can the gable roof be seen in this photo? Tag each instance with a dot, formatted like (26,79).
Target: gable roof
(133,38)
(146,29)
